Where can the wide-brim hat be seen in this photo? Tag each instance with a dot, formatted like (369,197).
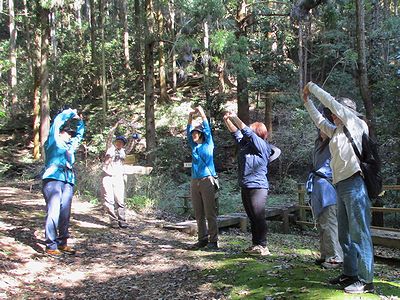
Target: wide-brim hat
(350,104)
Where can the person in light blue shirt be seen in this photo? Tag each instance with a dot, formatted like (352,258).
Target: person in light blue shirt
(65,135)
(203,181)
(323,203)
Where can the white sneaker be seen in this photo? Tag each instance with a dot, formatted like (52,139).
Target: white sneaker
(259,250)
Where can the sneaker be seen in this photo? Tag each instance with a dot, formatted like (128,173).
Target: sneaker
(344,280)
(122,224)
(331,264)
(259,250)
(359,287)
(53,252)
(198,245)
(319,261)
(67,249)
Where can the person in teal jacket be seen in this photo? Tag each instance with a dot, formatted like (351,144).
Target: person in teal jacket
(65,135)
(203,181)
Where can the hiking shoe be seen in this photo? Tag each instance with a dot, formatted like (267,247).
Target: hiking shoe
(123,225)
(53,252)
(331,264)
(319,261)
(67,249)
(359,287)
(198,245)
(344,280)
(259,250)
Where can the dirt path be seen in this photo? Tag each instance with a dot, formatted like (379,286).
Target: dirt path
(141,262)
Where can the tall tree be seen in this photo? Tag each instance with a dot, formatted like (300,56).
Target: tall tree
(149,81)
(13,58)
(102,4)
(126,35)
(164,97)
(138,39)
(242,84)
(171,8)
(362,63)
(44,74)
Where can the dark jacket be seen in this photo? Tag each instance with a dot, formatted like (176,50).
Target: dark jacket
(254,153)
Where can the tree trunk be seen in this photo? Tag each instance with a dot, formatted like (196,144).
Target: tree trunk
(221,76)
(93,31)
(164,97)
(268,113)
(138,39)
(126,35)
(171,6)
(362,63)
(242,86)
(206,60)
(103,61)
(13,59)
(149,82)
(44,77)
(36,89)
(377,217)
(301,59)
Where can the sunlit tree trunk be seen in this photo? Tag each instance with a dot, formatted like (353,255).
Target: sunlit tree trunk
(171,7)
(242,85)
(36,87)
(138,39)
(44,77)
(126,35)
(206,60)
(13,58)
(161,56)
(149,81)
(103,60)
(301,59)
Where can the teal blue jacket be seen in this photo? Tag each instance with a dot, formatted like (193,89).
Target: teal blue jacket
(60,155)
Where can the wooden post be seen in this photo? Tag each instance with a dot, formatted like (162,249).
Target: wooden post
(301,193)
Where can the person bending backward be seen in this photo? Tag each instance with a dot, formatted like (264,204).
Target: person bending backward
(254,157)
(59,179)
(113,177)
(202,183)
(323,203)
(353,203)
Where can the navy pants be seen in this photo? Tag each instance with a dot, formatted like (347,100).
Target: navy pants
(254,204)
(58,196)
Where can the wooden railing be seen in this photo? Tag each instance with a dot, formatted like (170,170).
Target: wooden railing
(387,236)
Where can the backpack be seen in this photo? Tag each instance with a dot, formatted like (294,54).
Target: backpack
(370,163)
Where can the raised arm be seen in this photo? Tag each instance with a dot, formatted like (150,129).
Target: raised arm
(229,124)
(111,134)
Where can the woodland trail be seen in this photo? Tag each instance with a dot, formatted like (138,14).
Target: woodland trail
(140,262)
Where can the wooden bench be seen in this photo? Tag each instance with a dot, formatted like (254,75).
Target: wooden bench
(384,236)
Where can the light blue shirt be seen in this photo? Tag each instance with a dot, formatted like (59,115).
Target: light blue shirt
(202,154)
(60,155)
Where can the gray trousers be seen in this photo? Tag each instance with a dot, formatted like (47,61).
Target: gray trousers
(328,233)
(113,191)
(205,208)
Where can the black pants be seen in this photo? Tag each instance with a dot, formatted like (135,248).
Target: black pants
(254,203)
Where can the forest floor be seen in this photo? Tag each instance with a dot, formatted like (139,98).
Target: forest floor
(146,261)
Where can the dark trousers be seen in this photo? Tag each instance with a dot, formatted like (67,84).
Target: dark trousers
(254,203)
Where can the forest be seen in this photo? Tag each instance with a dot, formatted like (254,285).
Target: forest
(149,62)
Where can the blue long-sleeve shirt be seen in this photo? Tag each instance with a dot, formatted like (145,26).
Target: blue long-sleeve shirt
(60,155)
(202,154)
(253,159)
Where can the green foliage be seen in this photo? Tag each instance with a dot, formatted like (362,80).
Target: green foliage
(221,40)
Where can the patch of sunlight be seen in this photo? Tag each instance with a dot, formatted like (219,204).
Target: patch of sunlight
(304,251)
(85,224)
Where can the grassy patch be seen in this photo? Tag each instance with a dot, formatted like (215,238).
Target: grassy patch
(288,274)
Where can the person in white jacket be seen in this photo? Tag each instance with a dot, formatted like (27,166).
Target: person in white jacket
(353,203)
